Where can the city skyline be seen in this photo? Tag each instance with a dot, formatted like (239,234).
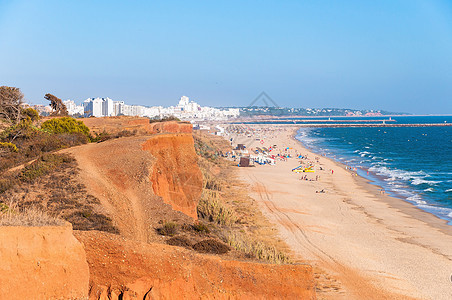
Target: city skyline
(390,55)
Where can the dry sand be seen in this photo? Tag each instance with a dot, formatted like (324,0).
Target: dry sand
(375,246)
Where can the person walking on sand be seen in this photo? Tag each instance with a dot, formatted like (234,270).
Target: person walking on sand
(332,171)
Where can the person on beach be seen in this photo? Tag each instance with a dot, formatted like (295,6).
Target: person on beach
(332,171)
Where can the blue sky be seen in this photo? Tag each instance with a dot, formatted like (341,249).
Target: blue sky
(391,55)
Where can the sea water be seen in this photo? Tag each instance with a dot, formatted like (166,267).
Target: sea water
(411,163)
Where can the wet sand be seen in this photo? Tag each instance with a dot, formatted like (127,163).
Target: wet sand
(375,246)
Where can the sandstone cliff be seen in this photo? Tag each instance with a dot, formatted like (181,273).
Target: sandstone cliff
(42,263)
(122,269)
(141,180)
(176,176)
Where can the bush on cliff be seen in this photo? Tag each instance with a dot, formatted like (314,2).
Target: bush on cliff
(168,228)
(43,165)
(65,125)
(211,246)
(30,113)
(164,119)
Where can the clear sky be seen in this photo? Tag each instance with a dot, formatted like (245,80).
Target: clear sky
(387,54)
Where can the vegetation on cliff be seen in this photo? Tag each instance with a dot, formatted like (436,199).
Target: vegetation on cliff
(34,178)
(227,209)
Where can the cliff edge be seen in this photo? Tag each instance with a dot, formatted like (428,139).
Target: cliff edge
(122,269)
(176,176)
(42,262)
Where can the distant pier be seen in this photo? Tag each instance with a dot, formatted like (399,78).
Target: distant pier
(344,123)
(296,121)
(373,125)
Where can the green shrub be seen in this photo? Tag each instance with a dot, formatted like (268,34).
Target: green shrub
(105,136)
(23,130)
(168,228)
(65,125)
(31,113)
(101,137)
(4,208)
(8,146)
(42,166)
(201,227)
(164,119)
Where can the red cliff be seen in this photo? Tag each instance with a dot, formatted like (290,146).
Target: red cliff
(175,174)
(122,269)
(42,263)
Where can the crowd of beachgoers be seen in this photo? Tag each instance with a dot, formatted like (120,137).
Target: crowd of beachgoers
(337,221)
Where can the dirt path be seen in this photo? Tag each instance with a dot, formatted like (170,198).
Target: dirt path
(118,173)
(104,181)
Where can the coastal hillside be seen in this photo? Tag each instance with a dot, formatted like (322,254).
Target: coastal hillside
(148,207)
(137,189)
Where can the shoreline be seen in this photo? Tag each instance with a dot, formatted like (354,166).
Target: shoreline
(372,245)
(394,201)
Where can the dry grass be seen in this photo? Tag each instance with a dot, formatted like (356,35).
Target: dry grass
(11,215)
(254,248)
(169,229)
(233,215)
(211,208)
(49,184)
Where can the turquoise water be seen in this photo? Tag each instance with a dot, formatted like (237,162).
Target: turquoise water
(411,163)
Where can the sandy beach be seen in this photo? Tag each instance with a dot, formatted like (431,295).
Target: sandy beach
(365,244)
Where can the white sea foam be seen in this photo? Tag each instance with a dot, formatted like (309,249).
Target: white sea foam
(417,199)
(364,153)
(395,174)
(418,181)
(447,191)
(429,190)
(402,192)
(443,212)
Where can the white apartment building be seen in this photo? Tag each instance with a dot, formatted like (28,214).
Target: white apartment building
(107,107)
(73,108)
(99,107)
(185,110)
(117,107)
(93,107)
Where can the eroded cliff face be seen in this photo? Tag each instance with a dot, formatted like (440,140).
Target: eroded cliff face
(122,269)
(42,263)
(118,172)
(175,174)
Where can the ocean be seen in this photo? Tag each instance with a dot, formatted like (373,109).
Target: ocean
(410,163)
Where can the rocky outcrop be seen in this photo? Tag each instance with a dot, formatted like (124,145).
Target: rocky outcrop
(122,269)
(175,175)
(42,263)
